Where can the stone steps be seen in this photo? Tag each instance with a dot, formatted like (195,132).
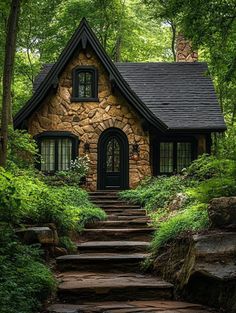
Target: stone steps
(103,193)
(118,211)
(119,206)
(78,287)
(119,224)
(103,234)
(109,258)
(113,246)
(108,262)
(123,217)
(152,306)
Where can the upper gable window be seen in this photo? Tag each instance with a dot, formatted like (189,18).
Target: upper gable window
(85,84)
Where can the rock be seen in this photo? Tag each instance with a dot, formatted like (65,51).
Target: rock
(177,202)
(31,235)
(76,119)
(222,212)
(92,113)
(203,267)
(53,228)
(59,251)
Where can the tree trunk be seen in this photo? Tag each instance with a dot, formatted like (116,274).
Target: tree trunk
(10,49)
(173,41)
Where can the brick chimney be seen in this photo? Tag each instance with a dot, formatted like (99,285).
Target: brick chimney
(184,50)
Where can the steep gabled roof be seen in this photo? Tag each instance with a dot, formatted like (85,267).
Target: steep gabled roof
(83,36)
(182,95)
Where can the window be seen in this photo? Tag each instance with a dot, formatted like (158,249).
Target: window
(174,156)
(85,84)
(184,155)
(166,157)
(57,149)
(113,155)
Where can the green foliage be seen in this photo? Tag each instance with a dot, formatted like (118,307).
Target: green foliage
(213,188)
(206,178)
(193,218)
(155,193)
(68,244)
(73,176)
(207,166)
(25,281)
(224,145)
(22,149)
(25,198)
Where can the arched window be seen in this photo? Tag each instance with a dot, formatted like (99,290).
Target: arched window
(56,149)
(85,84)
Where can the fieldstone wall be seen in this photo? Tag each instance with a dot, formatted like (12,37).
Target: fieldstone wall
(88,120)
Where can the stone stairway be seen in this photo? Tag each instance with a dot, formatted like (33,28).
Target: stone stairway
(104,275)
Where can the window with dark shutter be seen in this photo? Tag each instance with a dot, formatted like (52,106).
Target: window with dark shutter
(85,84)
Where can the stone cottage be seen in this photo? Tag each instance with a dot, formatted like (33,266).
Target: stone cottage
(132,119)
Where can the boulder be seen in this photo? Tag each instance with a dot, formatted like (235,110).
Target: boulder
(222,212)
(32,235)
(203,267)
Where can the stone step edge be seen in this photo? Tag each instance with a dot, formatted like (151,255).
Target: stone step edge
(114,243)
(102,256)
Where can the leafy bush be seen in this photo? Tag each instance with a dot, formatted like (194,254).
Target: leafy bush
(193,218)
(207,166)
(68,244)
(213,188)
(73,176)
(224,145)
(25,281)
(206,178)
(22,149)
(26,199)
(155,193)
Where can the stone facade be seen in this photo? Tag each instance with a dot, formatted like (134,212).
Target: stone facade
(184,50)
(88,120)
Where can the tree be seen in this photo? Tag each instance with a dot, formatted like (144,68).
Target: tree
(10,49)
(211,26)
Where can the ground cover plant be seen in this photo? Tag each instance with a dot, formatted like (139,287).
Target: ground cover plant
(25,281)
(24,198)
(178,204)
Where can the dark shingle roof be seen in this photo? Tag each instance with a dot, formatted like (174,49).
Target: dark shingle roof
(180,94)
(42,74)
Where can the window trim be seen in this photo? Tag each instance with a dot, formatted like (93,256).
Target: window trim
(75,84)
(156,152)
(56,135)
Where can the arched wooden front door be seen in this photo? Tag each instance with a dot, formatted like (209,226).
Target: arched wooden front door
(113,160)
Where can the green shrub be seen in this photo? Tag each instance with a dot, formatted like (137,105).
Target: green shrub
(193,218)
(67,243)
(207,166)
(25,282)
(213,188)
(224,145)
(156,192)
(74,176)
(22,149)
(26,199)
